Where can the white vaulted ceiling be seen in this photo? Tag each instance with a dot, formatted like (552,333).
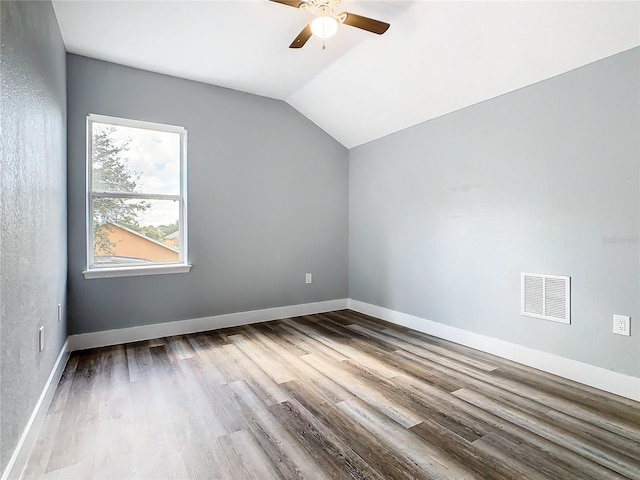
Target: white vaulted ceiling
(436,58)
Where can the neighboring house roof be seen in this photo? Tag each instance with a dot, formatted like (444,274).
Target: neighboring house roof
(143,236)
(173,235)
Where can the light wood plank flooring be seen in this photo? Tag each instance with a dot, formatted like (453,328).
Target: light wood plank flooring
(331,396)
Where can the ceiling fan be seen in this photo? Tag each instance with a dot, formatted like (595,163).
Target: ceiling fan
(325,24)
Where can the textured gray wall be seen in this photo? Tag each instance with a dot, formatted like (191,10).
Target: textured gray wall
(33,235)
(445,215)
(268,194)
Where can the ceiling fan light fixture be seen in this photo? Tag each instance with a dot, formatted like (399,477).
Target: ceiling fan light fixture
(324,27)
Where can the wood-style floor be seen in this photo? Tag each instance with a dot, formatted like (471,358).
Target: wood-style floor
(333,396)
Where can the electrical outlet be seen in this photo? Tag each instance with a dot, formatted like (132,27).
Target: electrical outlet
(59,313)
(621,325)
(41,338)
(308,278)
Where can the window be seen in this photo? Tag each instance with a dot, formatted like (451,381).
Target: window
(136,198)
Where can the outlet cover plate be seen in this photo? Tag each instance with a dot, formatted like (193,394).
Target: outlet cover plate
(621,325)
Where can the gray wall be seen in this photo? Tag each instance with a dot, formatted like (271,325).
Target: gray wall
(445,215)
(33,235)
(268,193)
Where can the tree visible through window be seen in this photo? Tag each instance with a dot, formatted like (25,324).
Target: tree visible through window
(136,198)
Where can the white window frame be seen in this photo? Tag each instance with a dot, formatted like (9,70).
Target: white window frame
(182,266)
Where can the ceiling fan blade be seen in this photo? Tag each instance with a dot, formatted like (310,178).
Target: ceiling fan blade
(291,3)
(302,37)
(365,23)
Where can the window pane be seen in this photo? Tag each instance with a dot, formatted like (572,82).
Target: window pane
(127,159)
(130,231)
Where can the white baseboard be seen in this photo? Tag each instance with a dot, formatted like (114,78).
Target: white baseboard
(603,379)
(18,460)
(84,341)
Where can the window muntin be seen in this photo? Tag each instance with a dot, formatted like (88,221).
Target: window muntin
(136,202)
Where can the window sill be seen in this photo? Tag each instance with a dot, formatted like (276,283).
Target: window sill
(135,271)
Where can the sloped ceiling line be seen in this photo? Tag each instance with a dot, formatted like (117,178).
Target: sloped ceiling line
(437,57)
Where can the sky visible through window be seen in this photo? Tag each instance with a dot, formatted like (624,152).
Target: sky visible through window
(155,157)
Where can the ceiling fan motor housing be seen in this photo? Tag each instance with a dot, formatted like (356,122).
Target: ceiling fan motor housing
(321,8)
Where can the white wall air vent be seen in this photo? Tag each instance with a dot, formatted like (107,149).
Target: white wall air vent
(546,296)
